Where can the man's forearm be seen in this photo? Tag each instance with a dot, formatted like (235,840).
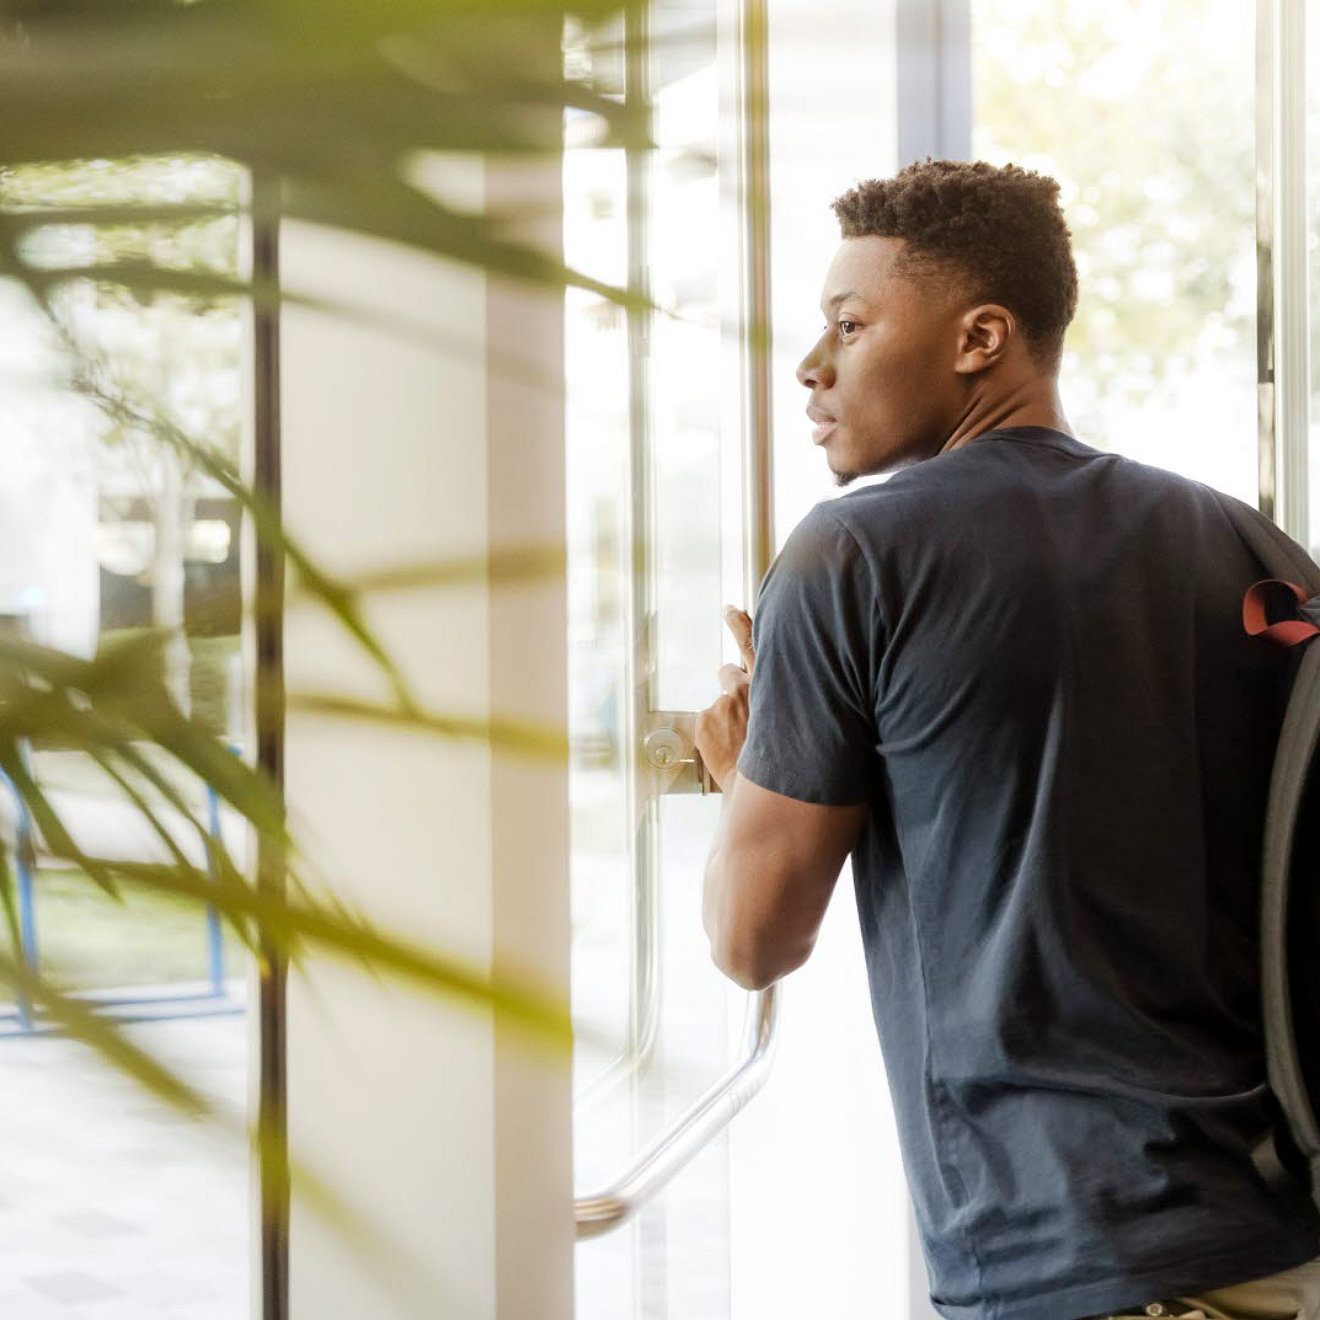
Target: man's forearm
(711,890)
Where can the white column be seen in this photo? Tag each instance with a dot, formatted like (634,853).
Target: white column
(446,1134)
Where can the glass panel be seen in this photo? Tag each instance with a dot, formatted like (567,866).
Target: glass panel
(596,354)
(686,440)
(116,1203)
(684,386)
(601,605)
(1144,113)
(637,864)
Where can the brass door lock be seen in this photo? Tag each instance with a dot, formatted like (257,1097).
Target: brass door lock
(669,750)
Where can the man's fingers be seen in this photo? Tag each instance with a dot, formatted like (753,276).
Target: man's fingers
(740,625)
(732,678)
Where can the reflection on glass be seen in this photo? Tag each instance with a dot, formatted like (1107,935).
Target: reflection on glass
(1144,113)
(115,1204)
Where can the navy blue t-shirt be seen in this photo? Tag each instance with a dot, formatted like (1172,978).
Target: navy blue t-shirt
(1027,655)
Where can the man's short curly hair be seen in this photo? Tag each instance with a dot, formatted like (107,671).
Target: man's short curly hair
(992,233)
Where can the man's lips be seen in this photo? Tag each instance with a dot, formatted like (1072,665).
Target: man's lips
(824,424)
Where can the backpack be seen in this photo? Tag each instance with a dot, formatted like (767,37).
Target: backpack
(1286,610)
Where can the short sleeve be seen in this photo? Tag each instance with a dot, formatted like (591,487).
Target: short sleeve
(811,723)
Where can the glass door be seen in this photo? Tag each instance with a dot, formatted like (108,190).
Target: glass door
(116,1202)
(656,432)
(1144,114)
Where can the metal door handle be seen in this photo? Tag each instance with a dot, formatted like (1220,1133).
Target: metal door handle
(674,1149)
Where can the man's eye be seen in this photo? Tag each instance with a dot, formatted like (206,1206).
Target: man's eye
(846,323)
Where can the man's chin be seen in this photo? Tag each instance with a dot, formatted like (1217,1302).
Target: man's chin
(843,476)
(873,467)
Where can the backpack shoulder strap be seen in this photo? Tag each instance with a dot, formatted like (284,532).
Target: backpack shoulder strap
(1271,544)
(1298,738)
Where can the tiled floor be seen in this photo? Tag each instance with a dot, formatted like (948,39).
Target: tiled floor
(115,1208)
(112,1206)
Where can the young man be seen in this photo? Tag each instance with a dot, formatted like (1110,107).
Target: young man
(1012,683)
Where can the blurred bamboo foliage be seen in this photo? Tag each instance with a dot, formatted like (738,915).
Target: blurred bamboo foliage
(332,103)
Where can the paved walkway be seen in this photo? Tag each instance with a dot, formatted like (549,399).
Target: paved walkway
(113,1206)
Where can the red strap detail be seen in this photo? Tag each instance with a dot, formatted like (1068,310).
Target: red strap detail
(1287,632)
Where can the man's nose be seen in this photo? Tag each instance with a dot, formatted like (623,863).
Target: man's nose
(814,371)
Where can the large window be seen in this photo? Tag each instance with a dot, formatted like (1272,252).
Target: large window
(116,1204)
(1144,113)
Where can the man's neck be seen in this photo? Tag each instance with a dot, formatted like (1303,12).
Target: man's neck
(1034,403)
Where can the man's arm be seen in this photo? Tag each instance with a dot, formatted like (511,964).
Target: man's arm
(775,859)
(769,879)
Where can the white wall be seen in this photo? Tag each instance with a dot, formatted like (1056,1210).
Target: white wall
(416,1111)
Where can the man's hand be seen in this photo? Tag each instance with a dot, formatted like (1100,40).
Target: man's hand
(722,726)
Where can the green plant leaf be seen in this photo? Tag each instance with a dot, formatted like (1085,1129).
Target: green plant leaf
(123,701)
(7,900)
(289,925)
(57,839)
(526,737)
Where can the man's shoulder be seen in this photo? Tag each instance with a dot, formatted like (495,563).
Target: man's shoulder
(975,480)
(909,505)
(913,489)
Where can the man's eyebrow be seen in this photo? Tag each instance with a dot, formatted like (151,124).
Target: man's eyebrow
(839,297)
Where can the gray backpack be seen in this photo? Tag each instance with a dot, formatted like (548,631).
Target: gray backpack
(1285,609)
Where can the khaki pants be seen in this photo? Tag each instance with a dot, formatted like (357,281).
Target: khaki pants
(1292,1295)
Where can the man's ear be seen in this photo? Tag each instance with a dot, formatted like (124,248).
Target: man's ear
(984,334)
